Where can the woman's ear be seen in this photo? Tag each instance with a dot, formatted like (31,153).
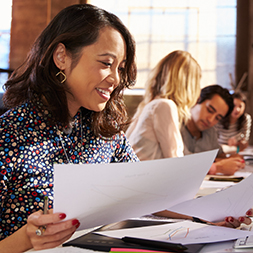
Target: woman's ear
(60,56)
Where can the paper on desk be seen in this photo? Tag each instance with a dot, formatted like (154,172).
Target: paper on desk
(233,201)
(98,194)
(185,232)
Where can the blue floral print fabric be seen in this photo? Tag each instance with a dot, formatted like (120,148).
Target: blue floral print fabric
(30,145)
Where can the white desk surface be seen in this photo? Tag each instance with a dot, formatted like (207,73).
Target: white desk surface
(208,248)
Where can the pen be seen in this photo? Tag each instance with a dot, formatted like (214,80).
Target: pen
(231,179)
(40,231)
(198,220)
(45,209)
(155,244)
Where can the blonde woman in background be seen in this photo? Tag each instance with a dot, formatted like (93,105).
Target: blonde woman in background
(172,89)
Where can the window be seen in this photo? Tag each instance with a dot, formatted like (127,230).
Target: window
(206,29)
(5,25)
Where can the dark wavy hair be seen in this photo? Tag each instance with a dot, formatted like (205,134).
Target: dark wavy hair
(225,122)
(209,91)
(76,26)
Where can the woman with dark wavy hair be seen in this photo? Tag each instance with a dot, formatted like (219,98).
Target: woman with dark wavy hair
(65,106)
(234,131)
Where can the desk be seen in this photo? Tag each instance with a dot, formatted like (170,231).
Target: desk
(212,247)
(208,248)
(206,188)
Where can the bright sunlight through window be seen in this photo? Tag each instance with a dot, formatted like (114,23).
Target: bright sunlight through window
(206,29)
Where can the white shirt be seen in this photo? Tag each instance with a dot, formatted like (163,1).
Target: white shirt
(155,134)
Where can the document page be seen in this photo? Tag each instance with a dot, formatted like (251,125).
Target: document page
(232,201)
(185,232)
(99,194)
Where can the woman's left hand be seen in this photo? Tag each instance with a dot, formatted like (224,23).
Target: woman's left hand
(230,221)
(235,223)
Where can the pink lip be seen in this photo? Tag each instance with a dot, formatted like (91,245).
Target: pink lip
(204,124)
(102,95)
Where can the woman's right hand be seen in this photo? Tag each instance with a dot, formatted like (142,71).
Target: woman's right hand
(228,166)
(57,231)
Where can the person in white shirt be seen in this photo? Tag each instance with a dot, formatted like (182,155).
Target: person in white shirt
(172,89)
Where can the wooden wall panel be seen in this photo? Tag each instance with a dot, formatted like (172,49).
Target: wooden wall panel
(58,5)
(29,18)
(250,67)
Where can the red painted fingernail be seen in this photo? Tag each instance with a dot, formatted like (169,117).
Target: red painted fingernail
(231,219)
(75,222)
(227,219)
(242,161)
(241,219)
(62,216)
(78,224)
(249,213)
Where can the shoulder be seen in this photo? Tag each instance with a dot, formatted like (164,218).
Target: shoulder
(18,119)
(163,103)
(218,127)
(185,133)
(17,112)
(13,122)
(248,117)
(183,128)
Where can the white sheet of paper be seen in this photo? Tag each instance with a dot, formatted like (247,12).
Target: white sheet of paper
(233,201)
(216,184)
(98,194)
(185,232)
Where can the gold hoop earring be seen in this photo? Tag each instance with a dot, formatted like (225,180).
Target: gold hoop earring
(64,76)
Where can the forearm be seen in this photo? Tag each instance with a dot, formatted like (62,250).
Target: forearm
(218,166)
(222,166)
(213,169)
(17,242)
(230,165)
(243,144)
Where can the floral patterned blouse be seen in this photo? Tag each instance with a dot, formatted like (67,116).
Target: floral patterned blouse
(29,147)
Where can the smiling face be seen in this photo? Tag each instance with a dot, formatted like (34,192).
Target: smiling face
(96,74)
(239,108)
(209,112)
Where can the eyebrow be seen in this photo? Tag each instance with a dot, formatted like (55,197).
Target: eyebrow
(108,54)
(222,117)
(112,55)
(212,108)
